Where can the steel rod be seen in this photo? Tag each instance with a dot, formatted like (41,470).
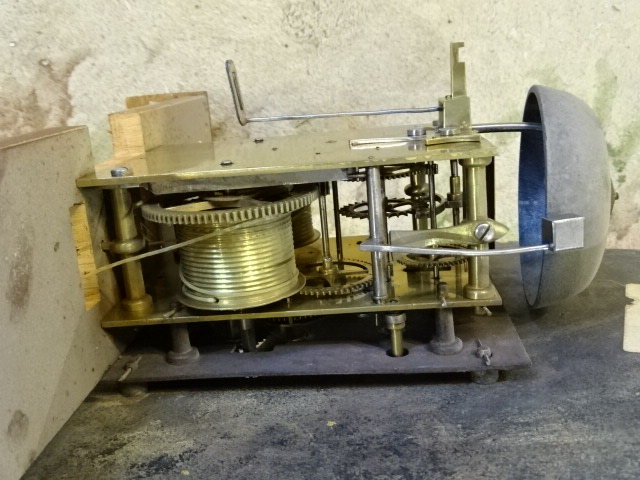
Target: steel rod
(378,233)
(364,113)
(324,226)
(336,220)
(368,246)
(506,127)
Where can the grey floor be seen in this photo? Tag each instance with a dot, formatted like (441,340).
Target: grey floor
(575,414)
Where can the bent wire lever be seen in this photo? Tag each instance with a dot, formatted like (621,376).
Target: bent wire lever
(241,114)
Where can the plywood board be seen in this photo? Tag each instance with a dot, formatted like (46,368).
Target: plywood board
(53,349)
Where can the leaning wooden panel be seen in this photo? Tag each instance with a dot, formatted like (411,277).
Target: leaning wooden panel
(53,349)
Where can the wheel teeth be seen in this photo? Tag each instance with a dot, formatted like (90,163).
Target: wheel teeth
(343,290)
(334,291)
(155,213)
(350,210)
(360,176)
(428,264)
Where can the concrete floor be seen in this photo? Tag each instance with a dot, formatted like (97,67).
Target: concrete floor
(575,414)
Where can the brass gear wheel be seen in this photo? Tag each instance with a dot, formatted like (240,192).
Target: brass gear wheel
(424,262)
(396,207)
(228,207)
(345,278)
(390,172)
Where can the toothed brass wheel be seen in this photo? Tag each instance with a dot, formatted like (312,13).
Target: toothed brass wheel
(390,172)
(428,262)
(344,277)
(228,207)
(396,207)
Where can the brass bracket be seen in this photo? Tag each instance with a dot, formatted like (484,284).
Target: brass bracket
(455,116)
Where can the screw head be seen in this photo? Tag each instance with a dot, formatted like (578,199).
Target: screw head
(416,132)
(120,171)
(485,232)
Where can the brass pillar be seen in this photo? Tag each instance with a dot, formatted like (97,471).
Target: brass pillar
(181,352)
(127,243)
(395,324)
(475,208)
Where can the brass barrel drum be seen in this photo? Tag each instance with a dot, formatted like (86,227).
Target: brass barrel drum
(303,231)
(245,256)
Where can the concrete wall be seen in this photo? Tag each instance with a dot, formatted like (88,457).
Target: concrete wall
(71,63)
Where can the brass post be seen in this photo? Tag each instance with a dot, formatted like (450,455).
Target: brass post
(181,352)
(444,341)
(248,335)
(128,243)
(475,208)
(395,324)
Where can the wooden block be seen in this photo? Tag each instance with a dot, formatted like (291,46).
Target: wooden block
(175,121)
(84,252)
(142,100)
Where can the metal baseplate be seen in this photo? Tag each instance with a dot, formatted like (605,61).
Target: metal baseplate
(336,345)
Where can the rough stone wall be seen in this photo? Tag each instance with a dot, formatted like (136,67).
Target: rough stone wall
(69,62)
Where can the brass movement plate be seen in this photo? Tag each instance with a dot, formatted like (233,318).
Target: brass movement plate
(327,151)
(413,291)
